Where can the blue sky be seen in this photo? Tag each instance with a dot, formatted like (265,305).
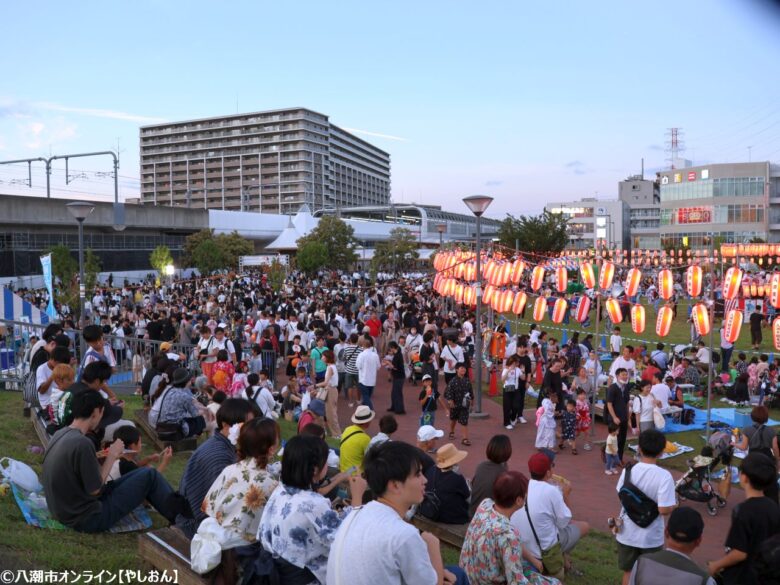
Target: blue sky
(528,102)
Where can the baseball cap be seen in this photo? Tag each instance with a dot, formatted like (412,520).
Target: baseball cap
(427,377)
(428,433)
(539,464)
(685,524)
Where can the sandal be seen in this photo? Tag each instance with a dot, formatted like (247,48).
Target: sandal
(466,442)
(574,451)
(452,435)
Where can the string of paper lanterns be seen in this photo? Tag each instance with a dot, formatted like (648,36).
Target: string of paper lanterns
(456,277)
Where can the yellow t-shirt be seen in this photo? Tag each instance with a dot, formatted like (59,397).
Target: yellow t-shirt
(354,441)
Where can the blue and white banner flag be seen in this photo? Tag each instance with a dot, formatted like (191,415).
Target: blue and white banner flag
(49,282)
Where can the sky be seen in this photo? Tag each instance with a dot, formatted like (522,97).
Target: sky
(527,102)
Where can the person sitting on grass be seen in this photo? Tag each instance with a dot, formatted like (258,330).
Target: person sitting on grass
(355,439)
(752,522)
(362,554)
(129,461)
(492,552)
(74,481)
(498,452)
(237,497)
(674,564)
(207,461)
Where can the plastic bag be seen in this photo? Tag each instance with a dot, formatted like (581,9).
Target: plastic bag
(20,474)
(208,544)
(658,419)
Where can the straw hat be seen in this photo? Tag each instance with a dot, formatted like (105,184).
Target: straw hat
(449,455)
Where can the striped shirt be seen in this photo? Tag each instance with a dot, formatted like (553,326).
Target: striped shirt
(351,353)
(203,468)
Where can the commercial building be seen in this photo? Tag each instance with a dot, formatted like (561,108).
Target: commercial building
(643,198)
(593,221)
(733,202)
(267,162)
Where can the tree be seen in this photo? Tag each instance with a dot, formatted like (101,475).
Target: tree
(539,234)
(64,267)
(312,256)
(160,258)
(397,252)
(338,239)
(232,246)
(208,257)
(276,275)
(191,243)
(91,269)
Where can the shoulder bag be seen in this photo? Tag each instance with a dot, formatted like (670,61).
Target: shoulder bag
(552,558)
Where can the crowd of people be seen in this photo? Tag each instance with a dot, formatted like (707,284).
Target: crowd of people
(228,357)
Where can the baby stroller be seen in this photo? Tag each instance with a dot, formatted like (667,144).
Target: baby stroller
(696,485)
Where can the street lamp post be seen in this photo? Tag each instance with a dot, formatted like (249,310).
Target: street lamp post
(441,228)
(80,210)
(478,204)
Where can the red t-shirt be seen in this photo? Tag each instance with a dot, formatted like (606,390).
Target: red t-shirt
(374,327)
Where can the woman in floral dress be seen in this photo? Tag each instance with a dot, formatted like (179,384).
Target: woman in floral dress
(492,553)
(298,524)
(237,497)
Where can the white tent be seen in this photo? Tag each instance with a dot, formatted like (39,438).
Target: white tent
(304,221)
(287,240)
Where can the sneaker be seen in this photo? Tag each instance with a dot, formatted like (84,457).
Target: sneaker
(522,420)
(509,427)
(607,472)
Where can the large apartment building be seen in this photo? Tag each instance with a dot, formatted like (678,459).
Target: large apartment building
(269,162)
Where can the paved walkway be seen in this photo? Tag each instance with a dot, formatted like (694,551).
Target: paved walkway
(593,497)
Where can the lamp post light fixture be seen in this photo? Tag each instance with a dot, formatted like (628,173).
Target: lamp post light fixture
(478,204)
(441,228)
(81,210)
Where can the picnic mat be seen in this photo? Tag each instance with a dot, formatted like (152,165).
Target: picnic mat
(36,513)
(680,450)
(724,416)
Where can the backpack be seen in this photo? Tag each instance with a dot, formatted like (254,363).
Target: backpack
(63,415)
(641,509)
(30,390)
(431,504)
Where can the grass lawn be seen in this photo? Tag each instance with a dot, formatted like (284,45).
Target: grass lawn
(25,547)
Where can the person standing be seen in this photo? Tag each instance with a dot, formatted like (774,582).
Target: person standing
(511,406)
(618,409)
(524,375)
(726,349)
(756,317)
(398,375)
(459,394)
(452,354)
(367,364)
(329,393)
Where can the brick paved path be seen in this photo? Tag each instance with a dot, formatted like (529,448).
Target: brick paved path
(593,497)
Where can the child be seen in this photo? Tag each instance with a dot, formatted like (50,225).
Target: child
(387,426)
(583,416)
(752,522)
(545,422)
(257,391)
(240,381)
(741,364)
(131,437)
(217,398)
(223,372)
(611,451)
(429,400)
(615,342)
(98,351)
(569,426)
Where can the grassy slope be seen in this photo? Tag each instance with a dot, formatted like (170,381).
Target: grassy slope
(22,546)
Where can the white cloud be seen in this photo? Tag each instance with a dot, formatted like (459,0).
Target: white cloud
(99,113)
(377,134)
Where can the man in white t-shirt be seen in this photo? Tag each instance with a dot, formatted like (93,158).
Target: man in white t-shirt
(660,391)
(367,364)
(547,510)
(658,485)
(533,337)
(398,553)
(615,341)
(623,361)
(452,354)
